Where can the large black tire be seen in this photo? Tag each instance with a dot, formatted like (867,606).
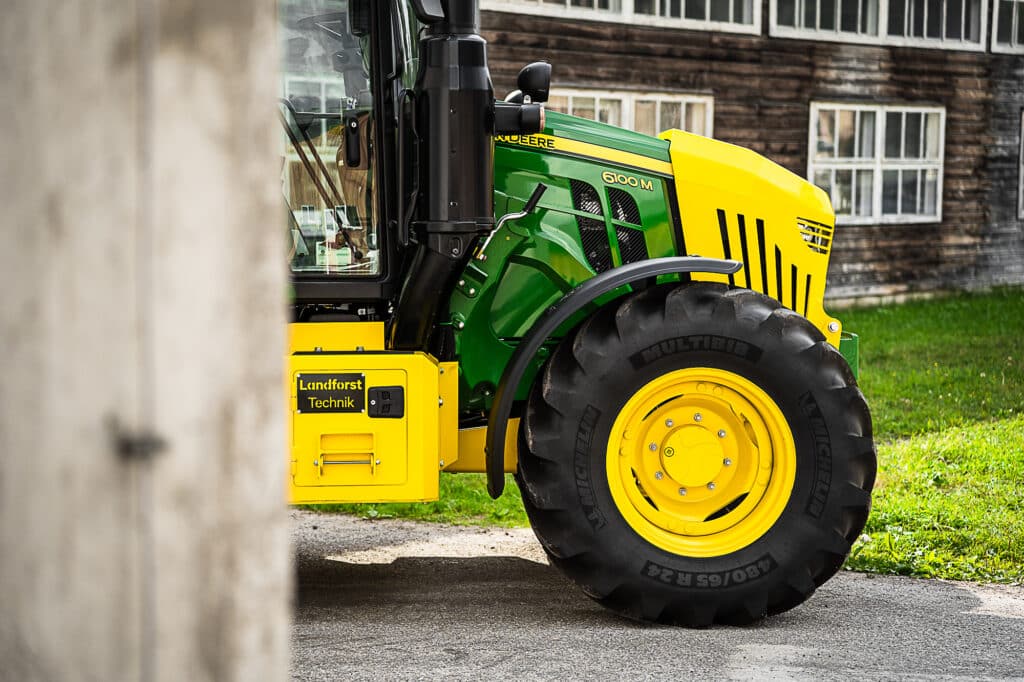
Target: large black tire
(564,456)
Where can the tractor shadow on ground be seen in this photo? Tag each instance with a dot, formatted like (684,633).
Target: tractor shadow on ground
(490,590)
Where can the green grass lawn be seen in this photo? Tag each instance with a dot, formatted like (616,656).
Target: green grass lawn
(945,382)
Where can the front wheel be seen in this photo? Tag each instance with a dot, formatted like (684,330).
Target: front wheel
(696,454)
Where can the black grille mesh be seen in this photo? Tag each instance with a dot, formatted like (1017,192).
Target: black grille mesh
(623,206)
(594,238)
(632,245)
(585,198)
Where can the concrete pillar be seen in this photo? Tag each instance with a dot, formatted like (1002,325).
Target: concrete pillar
(142,288)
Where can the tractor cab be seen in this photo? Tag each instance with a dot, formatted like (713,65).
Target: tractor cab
(339,91)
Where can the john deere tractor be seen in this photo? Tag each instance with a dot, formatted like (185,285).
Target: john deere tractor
(632,326)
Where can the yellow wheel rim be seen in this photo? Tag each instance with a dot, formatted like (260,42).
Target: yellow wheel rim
(701,462)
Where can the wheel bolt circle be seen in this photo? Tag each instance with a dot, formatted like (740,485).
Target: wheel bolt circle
(697,417)
(711,486)
(658,475)
(727,462)
(669,423)
(721,433)
(682,491)
(653,446)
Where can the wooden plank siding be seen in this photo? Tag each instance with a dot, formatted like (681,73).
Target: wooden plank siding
(763,87)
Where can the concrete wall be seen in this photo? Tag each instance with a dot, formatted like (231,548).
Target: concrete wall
(141,290)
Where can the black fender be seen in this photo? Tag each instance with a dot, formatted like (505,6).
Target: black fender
(552,319)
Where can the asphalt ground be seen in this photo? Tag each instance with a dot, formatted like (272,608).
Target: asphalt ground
(387,600)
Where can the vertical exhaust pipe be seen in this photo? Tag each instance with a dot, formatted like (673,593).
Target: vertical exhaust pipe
(454,109)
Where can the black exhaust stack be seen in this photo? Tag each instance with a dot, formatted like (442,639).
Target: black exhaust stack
(454,109)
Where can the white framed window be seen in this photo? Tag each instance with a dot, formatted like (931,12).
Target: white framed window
(879,164)
(835,19)
(644,112)
(1008,26)
(730,16)
(947,24)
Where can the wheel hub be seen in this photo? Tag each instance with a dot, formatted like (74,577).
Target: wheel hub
(692,456)
(701,462)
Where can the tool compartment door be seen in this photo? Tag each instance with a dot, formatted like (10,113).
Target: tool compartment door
(364,427)
(336,441)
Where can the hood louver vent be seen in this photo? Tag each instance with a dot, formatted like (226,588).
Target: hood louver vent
(817,235)
(593,234)
(623,206)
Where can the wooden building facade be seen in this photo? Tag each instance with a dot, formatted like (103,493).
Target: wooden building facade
(909,112)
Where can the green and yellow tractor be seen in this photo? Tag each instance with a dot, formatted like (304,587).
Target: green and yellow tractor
(632,326)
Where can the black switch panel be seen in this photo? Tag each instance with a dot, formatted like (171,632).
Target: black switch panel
(387,402)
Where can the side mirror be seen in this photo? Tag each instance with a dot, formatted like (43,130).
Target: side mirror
(534,81)
(428,11)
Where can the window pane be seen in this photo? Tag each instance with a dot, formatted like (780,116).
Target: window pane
(823,179)
(1020,24)
(811,13)
(744,11)
(695,9)
(934,18)
(842,194)
(583,107)
(1005,21)
(890,192)
(610,112)
(972,30)
(897,17)
(719,10)
(912,144)
(917,18)
(893,134)
(673,8)
(908,198)
(869,17)
(644,117)
(931,136)
(865,192)
(696,113)
(867,135)
(559,103)
(827,14)
(930,192)
(825,134)
(954,20)
(787,13)
(671,115)
(848,20)
(644,6)
(846,140)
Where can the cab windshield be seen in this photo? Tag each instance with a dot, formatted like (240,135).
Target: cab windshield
(328,155)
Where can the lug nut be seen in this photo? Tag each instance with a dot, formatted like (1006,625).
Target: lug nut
(682,491)
(653,447)
(727,462)
(658,475)
(697,417)
(669,423)
(721,433)
(711,486)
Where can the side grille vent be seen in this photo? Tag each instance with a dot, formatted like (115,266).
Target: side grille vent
(593,234)
(623,206)
(594,238)
(632,244)
(585,198)
(817,235)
